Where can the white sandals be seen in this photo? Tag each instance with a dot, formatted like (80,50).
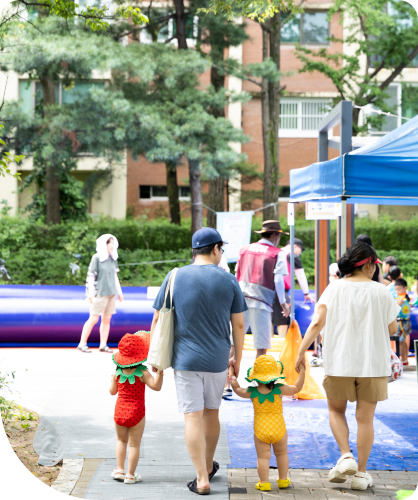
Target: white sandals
(346,466)
(118,474)
(361,481)
(132,479)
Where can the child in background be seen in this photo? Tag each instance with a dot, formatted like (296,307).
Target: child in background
(404,323)
(387,264)
(393,274)
(129,383)
(266,390)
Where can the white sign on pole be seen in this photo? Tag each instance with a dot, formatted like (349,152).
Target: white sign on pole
(319,210)
(235,228)
(290,214)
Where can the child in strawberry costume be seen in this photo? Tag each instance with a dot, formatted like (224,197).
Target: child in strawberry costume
(129,383)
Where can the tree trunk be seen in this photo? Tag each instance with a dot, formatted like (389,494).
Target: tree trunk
(216,199)
(173,193)
(271,123)
(180,24)
(196,195)
(52,178)
(356,117)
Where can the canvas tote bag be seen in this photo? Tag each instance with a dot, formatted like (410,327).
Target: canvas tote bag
(161,348)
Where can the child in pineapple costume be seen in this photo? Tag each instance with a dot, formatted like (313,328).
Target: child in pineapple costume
(266,390)
(129,383)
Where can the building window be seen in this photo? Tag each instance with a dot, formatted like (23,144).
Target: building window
(160,192)
(284,192)
(31,93)
(394,102)
(301,117)
(309,28)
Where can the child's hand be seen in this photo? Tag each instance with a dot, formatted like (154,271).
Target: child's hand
(400,301)
(301,368)
(231,371)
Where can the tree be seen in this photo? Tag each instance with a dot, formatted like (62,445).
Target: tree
(383,36)
(219,34)
(56,134)
(260,10)
(179,124)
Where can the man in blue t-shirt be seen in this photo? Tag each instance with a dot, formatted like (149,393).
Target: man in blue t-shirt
(206,300)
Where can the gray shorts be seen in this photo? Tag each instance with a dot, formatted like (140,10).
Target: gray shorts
(199,390)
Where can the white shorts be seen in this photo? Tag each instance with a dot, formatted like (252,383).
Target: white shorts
(199,390)
(260,322)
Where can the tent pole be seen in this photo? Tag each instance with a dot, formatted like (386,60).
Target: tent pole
(291,222)
(343,233)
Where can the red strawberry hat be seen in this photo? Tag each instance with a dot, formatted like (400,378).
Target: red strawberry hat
(133,349)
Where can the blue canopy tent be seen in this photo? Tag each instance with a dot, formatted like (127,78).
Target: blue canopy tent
(385,173)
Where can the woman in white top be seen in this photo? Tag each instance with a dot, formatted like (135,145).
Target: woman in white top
(355,317)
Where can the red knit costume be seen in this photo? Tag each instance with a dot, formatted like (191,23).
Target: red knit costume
(130,405)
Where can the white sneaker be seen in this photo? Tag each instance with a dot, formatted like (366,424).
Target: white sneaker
(346,466)
(361,481)
(132,479)
(118,474)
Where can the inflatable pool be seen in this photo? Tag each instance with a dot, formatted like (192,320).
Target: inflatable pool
(53,316)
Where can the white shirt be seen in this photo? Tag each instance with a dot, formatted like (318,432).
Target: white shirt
(279,271)
(355,338)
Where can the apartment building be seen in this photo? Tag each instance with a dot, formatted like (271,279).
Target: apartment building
(139,186)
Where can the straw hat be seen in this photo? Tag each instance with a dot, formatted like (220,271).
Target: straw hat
(133,349)
(265,370)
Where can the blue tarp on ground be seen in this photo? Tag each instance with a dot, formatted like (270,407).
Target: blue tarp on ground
(385,173)
(311,444)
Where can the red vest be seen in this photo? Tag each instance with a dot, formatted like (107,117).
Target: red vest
(255,271)
(286,279)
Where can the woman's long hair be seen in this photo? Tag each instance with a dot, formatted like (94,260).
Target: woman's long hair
(356,253)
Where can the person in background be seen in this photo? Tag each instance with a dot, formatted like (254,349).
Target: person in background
(260,270)
(278,318)
(378,276)
(102,287)
(387,264)
(404,323)
(334,273)
(393,274)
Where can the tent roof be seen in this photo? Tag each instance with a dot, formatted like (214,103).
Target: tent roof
(383,173)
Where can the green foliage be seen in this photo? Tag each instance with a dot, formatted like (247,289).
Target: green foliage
(6,159)
(6,406)
(259,10)
(96,18)
(381,33)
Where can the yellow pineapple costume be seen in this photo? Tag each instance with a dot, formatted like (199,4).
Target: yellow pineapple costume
(269,424)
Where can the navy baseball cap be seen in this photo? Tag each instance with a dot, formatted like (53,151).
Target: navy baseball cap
(205,237)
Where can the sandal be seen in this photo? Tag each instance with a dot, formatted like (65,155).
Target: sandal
(214,470)
(105,349)
(263,486)
(284,483)
(199,491)
(136,478)
(83,348)
(118,474)
(346,466)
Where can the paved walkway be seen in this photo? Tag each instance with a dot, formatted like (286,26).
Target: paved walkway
(70,392)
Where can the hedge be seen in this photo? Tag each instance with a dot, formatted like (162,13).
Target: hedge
(36,253)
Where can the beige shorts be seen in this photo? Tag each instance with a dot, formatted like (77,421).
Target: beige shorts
(354,388)
(103,305)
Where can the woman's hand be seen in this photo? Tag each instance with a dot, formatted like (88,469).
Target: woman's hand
(231,372)
(120,296)
(300,360)
(90,299)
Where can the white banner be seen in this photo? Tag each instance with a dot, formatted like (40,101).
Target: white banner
(235,228)
(318,210)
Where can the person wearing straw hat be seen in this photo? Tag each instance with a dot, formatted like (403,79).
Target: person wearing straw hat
(102,287)
(260,270)
(266,390)
(129,382)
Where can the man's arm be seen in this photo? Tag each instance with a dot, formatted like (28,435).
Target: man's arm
(280,290)
(303,283)
(238,334)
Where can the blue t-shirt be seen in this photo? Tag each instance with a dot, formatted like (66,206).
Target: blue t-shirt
(204,298)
